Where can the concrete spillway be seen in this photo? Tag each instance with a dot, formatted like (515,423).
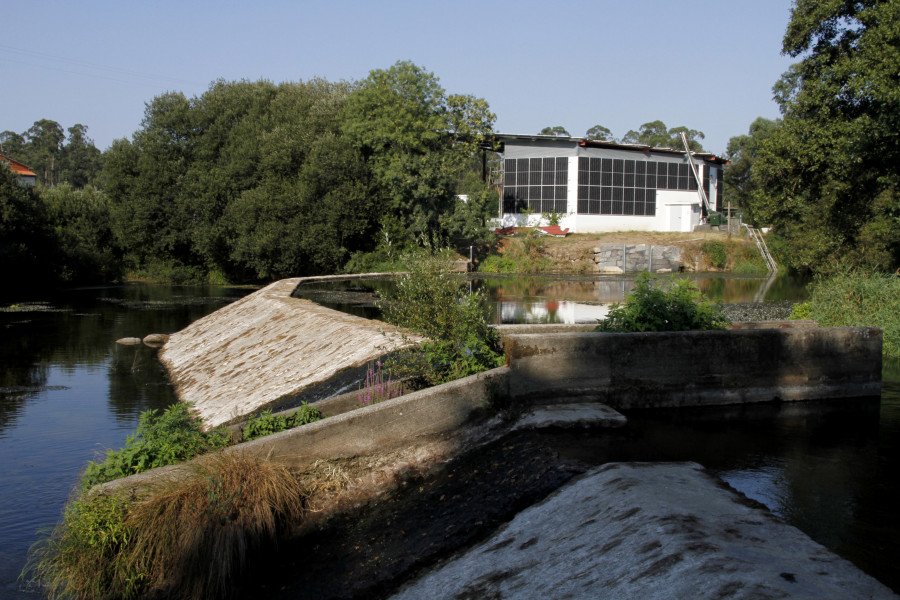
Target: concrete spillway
(266,346)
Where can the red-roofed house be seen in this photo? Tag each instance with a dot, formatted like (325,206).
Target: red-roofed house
(27,177)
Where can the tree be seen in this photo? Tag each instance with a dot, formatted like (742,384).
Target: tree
(599,133)
(656,135)
(42,150)
(742,152)
(417,141)
(557,130)
(26,242)
(80,160)
(828,176)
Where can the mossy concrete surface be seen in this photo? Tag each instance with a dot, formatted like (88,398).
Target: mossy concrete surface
(646,531)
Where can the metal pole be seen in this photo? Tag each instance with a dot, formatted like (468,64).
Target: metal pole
(650,260)
(624,259)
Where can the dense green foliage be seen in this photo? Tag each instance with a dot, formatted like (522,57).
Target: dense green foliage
(266,423)
(825,178)
(257,181)
(716,253)
(663,304)
(161,439)
(431,300)
(856,297)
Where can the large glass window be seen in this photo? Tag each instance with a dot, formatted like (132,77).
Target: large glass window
(615,186)
(535,184)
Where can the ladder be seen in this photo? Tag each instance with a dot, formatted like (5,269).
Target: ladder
(763,249)
(687,152)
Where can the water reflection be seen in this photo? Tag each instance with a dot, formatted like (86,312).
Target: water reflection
(555,299)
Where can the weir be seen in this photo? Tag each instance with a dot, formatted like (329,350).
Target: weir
(267,346)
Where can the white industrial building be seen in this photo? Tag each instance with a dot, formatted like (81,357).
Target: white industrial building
(603,186)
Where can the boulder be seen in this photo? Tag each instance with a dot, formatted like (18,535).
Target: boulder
(156,340)
(129,341)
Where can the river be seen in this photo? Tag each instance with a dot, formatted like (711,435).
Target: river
(67,392)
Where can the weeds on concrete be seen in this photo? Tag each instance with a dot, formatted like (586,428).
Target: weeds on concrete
(161,439)
(376,388)
(265,423)
(188,539)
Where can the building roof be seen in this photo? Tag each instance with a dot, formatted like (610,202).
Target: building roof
(18,168)
(502,138)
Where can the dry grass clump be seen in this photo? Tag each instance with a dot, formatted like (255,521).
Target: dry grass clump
(188,539)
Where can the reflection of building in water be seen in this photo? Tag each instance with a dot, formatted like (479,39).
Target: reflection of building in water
(551,311)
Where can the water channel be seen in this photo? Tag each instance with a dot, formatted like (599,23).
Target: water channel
(67,391)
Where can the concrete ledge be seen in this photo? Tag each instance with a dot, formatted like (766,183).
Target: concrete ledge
(692,368)
(377,429)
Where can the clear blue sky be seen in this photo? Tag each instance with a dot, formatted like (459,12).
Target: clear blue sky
(707,65)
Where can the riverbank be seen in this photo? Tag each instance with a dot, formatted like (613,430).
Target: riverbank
(574,253)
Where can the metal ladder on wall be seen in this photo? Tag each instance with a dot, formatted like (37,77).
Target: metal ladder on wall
(763,249)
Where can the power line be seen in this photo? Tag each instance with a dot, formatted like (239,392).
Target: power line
(97,70)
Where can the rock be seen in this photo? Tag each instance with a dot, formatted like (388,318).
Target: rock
(612,270)
(575,414)
(156,340)
(129,341)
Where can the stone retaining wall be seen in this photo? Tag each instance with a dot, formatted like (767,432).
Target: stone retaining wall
(631,258)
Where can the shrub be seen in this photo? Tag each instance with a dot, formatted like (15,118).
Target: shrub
(716,253)
(265,423)
(859,297)
(498,263)
(430,300)
(801,311)
(663,304)
(173,436)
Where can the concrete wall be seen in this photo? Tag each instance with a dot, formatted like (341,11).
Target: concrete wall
(690,368)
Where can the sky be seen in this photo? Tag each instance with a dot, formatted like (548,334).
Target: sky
(706,65)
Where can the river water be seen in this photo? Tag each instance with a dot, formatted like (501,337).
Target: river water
(67,392)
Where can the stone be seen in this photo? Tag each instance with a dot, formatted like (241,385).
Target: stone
(156,340)
(129,341)
(612,270)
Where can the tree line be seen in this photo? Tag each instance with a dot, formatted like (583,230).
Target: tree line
(824,176)
(255,181)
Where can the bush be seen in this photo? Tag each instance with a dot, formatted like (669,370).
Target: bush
(801,311)
(859,297)
(663,304)
(265,423)
(161,439)
(431,300)
(716,253)
(498,263)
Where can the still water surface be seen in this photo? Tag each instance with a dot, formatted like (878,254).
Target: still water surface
(67,391)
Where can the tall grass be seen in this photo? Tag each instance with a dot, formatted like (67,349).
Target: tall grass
(191,539)
(859,297)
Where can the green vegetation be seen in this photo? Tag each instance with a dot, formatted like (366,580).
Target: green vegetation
(824,176)
(663,304)
(266,423)
(856,297)
(161,439)
(189,539)
(431,300)
(254,181)
(715,252)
